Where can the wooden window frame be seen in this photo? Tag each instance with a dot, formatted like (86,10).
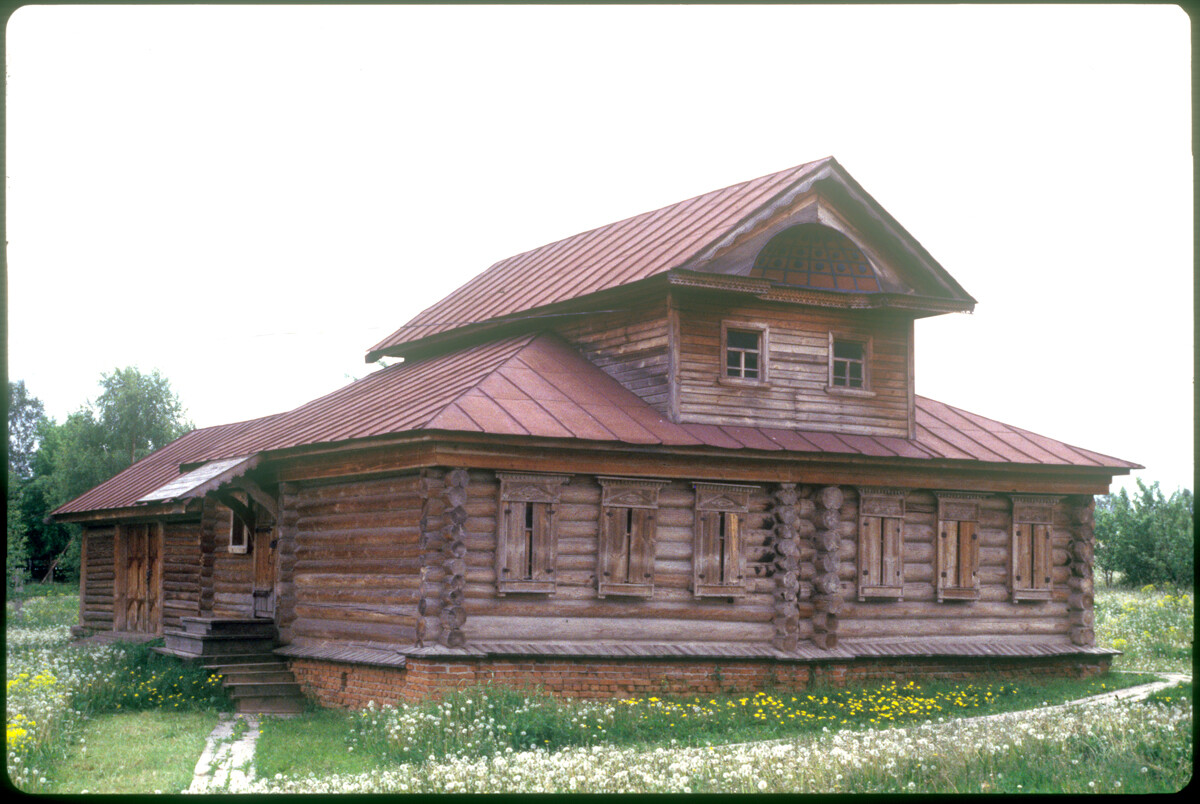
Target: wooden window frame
(880,560)
(526,498)
(626,537)
(241,532)
(764,348)
(868,345)
(718,561)
(1031,575)
(956,567)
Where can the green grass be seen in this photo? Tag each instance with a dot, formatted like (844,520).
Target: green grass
(134,753)
(489,720)
(1152,627)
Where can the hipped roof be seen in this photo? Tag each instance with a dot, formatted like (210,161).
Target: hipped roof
(536,385)
(684,235)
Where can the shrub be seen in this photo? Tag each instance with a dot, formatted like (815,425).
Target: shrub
(1147,538)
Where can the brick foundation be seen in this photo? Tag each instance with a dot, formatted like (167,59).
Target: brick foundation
(351,686)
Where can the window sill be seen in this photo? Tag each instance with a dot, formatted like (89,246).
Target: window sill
(525,587)
(239,549)
(881,592)
(837,390)
(958,593)
(739,382)
(1031,594)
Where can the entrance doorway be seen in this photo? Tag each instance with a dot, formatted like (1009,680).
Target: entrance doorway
(138,578)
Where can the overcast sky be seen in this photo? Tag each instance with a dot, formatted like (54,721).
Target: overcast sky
(248,198)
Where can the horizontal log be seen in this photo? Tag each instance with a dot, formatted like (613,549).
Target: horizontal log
(492,627)
(342,630)
(862,629)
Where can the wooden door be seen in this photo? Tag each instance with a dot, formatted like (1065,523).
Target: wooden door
(138,579)
(264,574)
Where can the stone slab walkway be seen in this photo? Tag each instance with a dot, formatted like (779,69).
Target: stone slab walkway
(227,764)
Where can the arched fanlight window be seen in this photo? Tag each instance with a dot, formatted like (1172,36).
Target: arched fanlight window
(815,256)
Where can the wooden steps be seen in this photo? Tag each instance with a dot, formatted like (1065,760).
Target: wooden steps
(240,652)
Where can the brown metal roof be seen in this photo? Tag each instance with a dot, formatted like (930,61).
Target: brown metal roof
(536,385)
(637,248)
(621,253)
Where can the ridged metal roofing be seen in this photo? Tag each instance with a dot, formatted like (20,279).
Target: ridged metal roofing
(536,385)
(602,258)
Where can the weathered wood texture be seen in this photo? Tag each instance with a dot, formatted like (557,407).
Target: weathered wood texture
(230,584)
(356,571)
(575,612)
(920,614)
(798,370)
(181,572)
(631,346)
(96,588)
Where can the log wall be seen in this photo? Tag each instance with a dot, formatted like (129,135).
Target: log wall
(355,563)
(574,611)
(97,578)
(798,367)
(181,576)
(226,590)
(919,614)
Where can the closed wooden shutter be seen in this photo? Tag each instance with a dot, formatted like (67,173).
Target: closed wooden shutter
(731,561)
(641,547)
(1040,543)
(968,556)
(1032,560)
(958,561)
(881,557)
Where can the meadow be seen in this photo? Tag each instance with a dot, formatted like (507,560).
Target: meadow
(77,720)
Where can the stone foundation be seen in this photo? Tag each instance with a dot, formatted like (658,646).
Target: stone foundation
(351,686)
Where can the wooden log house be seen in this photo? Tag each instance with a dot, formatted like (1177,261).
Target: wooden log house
(678,452)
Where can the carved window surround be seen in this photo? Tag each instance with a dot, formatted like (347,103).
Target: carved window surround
(628,514)
(526,532)
(717,562)
(1032,561)
(957,554)
(880,543)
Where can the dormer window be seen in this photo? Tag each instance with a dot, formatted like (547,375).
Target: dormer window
(849,365)
(744,352)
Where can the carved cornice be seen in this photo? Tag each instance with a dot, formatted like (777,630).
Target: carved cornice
(880,501)
(530,487)
(960,506)
(1037,509)
(722,497)
(626,492)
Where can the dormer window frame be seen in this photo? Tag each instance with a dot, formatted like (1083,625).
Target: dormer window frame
(868,350)
(763,331)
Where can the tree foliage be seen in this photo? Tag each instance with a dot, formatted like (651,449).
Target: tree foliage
(1146,537)
(134,415)
(25,416)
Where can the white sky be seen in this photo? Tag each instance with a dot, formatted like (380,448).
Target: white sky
(248,198)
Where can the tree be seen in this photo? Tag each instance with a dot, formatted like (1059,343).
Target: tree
(25,415)
(134,415)
(1147,538)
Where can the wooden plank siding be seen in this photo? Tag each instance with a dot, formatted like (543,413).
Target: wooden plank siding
(631,346)
(355,569)
(97,588)
(798,366)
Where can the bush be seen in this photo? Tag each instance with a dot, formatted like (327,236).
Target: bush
(1147,538)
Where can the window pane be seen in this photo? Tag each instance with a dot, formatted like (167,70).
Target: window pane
(855,372)
(848,350)
(740,339)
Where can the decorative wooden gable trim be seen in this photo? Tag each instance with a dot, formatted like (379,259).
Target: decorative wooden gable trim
(957,549)
(1030,570)
(880,543)
(717,563)
(628,521)
(526,535)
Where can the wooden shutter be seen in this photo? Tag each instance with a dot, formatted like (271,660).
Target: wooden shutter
(880,543)
(1040,543)
(731,561)
(525,533)
(958,561)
